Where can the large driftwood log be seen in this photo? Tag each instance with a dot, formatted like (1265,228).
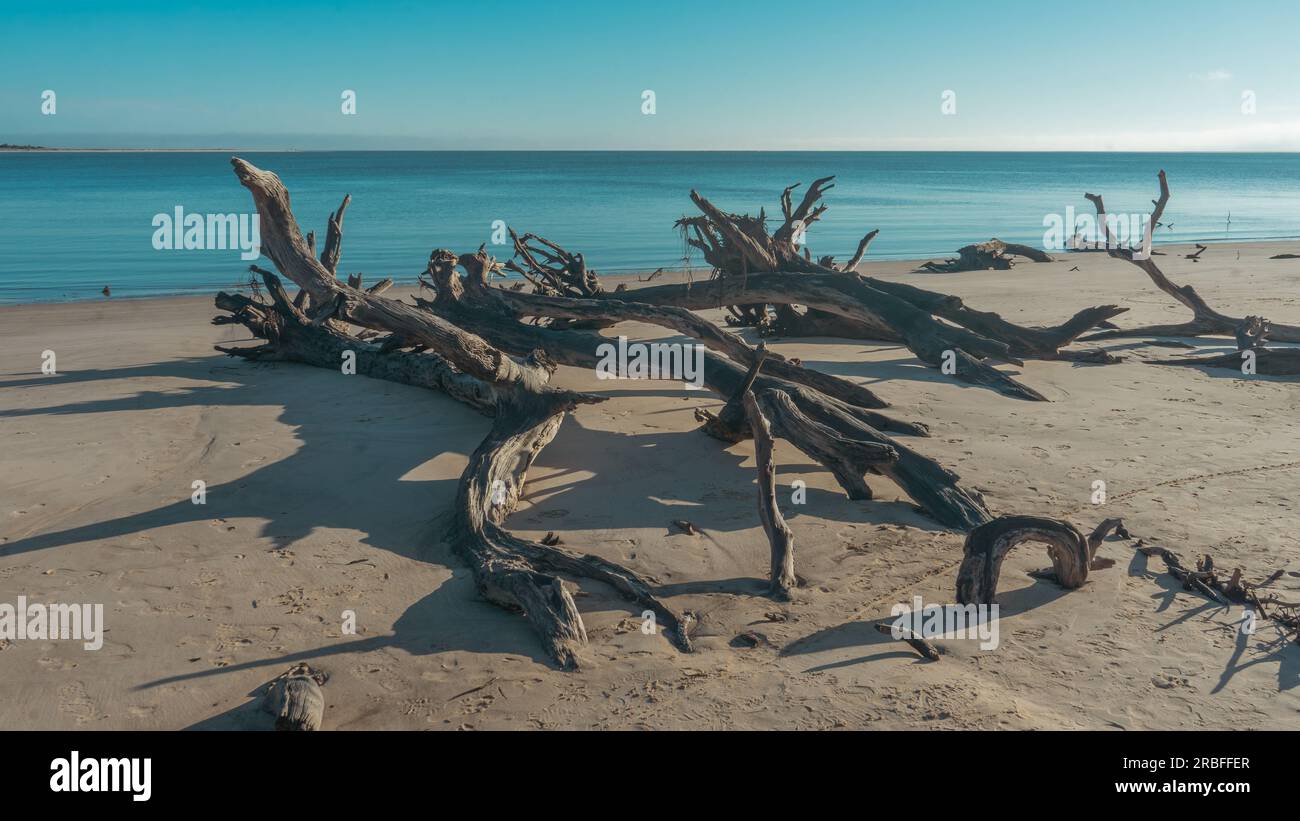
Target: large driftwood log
(467,302)
(291,337)
(464,341)
(509,571)
(739,247)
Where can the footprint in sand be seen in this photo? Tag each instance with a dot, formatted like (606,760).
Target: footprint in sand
(76,702)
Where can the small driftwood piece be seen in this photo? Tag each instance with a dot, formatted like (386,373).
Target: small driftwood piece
(919,644)
(1209,581)
(295,699)
(992,255)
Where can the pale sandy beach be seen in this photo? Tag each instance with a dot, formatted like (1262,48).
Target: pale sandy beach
(327,493)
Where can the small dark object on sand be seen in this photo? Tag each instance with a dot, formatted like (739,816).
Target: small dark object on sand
(295,699)
(686,527)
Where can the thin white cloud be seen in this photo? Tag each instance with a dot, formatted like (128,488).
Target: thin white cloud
(1218,75)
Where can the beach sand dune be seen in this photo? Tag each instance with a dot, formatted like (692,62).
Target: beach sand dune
(326,493)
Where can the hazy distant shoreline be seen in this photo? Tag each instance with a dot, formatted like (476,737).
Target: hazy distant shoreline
(619,209)
(1261,251)
(46,150)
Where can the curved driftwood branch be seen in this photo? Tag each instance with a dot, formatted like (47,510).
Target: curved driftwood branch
(521,574)
(987,545)
(1268,361)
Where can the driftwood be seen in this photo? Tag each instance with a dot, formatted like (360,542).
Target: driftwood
(295,699)
(779,535)
(917,643)
(755,269)
(984,256)
(515,573)
(1252,357)
(1072,553)
(496,349)
(1205,320)
(468,302)
(470,342)
(290,337)
(1210,582)
(1268,361)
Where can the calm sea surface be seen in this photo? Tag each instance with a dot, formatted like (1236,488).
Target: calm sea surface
(71,223)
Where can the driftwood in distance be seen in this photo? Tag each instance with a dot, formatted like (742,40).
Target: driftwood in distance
(1205,320)
(994,255)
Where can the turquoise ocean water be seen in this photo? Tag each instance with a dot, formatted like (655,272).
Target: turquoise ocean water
(71,223)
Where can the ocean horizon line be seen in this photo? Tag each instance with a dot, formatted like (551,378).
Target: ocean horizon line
(44,149)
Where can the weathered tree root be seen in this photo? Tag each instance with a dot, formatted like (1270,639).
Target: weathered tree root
(520,574)
(470,305)
(986,546)
(509,571)
(1205,320)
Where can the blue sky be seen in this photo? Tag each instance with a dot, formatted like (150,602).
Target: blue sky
(831,74)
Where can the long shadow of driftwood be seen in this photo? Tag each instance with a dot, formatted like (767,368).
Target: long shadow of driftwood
(348,476)
(1281,650)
